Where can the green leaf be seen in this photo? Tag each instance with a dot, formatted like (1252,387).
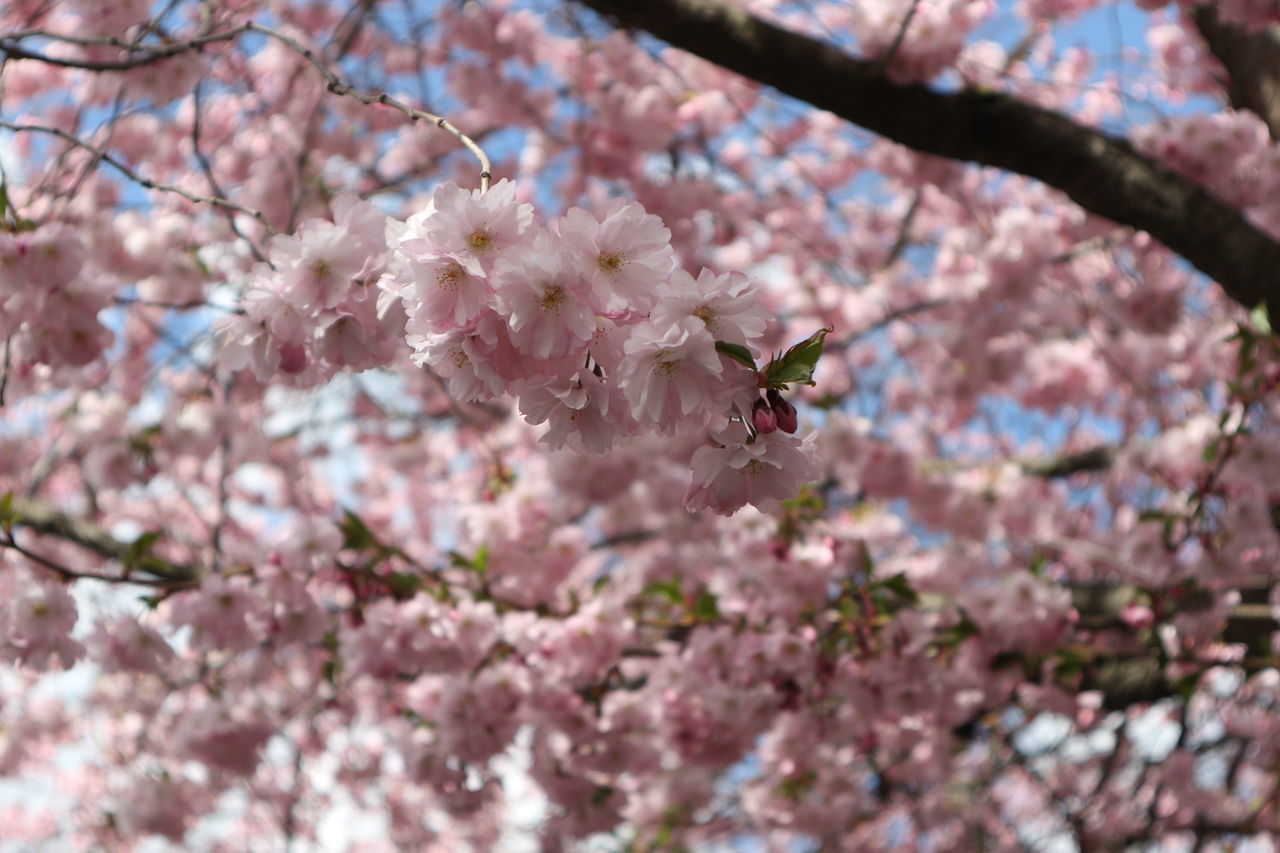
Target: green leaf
(403,585)
(477,563)
(827,401)
(670,590)
(796,785)
(1261,319)
(200,264)
(737,352)
(140,549)
(809,498)
(8,517)
(1158,515)
(901,587)
(705,607)
(959,632)
(1069,662)
(866,563)
(797,364)
(1067,670)
(1210,452)
(356,535)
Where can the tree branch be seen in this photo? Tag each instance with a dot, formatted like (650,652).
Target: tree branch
(138,54)
(1105,175)
(42,519)
(336,85)
(147,183)
(1098,458)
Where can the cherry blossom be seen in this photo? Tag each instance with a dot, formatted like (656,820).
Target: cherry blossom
(734,471)
(626,255)
(667,372)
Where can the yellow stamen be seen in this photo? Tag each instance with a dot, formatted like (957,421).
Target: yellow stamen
(610,262)
(449,277)
(552,298)
(666,362)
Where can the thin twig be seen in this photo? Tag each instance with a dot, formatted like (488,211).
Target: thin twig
(4,376)
(338,87)
(134,176)
(224,475)
(145,55)
(10,48)
(904,232)
(110,125)
(189,305)
(891,317)
(207,168)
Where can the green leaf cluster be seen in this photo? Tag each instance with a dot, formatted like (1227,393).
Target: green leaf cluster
(797,364)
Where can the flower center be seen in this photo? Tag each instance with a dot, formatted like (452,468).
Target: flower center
(706,315)
(610,262)
(480,240)
(449,277)
(552,298)
(667,362)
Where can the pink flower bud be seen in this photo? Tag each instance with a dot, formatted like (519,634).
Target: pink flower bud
(763,418)
(784,412)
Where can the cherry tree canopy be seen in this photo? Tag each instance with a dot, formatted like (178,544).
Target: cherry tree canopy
(639,426)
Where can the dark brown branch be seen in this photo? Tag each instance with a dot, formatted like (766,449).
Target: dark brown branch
(1086,461)
(1103,174)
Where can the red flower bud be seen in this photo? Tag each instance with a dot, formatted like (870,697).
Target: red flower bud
(784,412)
(763,418)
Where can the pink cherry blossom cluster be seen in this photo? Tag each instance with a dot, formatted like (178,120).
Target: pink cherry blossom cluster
(918,40)
(48,308)
(313,309)
(586,322)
